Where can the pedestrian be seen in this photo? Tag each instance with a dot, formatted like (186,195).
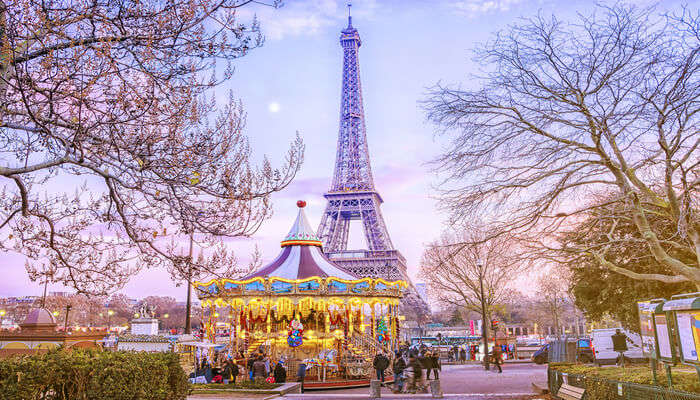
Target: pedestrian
(259,373)
(424,360)
(416,382)
(249,366)
(301,374)
(498,358)
(398,366)
(434,365)
(206,369)
(463,355)
(380,363)
(280,373)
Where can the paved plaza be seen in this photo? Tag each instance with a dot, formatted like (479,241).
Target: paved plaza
(466,382)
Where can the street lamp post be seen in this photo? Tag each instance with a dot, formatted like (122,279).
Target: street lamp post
(109,319)
(484,332)
(65,323)
(188,306)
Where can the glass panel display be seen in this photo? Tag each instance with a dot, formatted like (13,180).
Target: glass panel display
(281,287)
(255,286)
(361,287)
(309,286)
(337,287)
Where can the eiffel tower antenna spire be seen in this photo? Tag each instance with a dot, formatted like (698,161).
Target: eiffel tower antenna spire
(349,16)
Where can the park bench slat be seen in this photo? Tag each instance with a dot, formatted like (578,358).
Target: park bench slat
(568,392)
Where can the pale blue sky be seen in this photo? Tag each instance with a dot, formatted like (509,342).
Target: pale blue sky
(293,84)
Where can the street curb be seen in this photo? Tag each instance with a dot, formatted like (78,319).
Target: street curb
(539,390)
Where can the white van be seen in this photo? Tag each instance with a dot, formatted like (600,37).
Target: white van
(603,346)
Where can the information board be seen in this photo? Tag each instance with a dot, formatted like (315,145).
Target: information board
(685,334)
(662,334)
(646,323)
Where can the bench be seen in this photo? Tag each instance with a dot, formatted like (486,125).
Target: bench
(568,392)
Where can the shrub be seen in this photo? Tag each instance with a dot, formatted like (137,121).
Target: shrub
(684,379)
(92,374)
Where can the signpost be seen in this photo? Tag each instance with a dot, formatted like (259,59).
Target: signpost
(650,348)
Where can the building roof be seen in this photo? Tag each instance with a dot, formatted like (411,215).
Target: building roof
(301,256)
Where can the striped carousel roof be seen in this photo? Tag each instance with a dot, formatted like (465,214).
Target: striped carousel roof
(301,255)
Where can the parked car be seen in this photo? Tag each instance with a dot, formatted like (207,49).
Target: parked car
(603,347)
(541,356)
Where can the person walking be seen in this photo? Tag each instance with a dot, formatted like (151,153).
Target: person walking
(280,373)
(380,363)
(498,358)
(463,355)
(398,366)
(301,374)
(416,382)
(434,361)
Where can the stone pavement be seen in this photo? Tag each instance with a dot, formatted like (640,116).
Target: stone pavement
(459,382)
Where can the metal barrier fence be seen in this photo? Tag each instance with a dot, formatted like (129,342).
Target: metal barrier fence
(616,390)
(562,351)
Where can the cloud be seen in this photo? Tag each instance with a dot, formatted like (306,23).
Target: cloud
(304,18)
(473,8)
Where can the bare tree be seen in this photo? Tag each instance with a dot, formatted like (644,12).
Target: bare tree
(111,140)
(455,271)
(605,103)
(552,292)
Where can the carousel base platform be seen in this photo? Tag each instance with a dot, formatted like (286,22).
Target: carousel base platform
(341,383)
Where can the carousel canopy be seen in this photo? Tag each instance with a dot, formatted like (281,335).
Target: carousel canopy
(301,255)
(300,270)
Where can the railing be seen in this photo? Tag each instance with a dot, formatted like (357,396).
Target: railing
(600,388)
(368,344)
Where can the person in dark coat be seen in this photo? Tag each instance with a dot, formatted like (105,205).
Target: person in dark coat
(424,360)
(280,373)
(249,366)
(398,366)
(231,371)
(301,374)
(259,370)
(380,363)
(206,368)
(416,382)
(498,358)
(463,356)
(434,361)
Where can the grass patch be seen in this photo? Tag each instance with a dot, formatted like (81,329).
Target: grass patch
(684,378)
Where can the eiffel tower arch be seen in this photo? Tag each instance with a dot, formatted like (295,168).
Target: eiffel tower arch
(352,195)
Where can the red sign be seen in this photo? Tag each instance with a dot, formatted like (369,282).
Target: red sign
(471,326)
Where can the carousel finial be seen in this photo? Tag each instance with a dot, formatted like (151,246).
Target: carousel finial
(301,204)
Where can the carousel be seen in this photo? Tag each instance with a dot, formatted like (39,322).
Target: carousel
(301,308)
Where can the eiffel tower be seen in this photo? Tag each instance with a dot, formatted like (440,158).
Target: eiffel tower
(352,195)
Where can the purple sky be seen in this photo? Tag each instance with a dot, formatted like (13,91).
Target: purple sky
(293,84)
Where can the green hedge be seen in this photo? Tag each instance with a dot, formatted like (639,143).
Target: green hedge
(91,374)
(684,379)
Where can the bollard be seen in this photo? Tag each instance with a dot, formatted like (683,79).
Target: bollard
(375,389)
(435,389)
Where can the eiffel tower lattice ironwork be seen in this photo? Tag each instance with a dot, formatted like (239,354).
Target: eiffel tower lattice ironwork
(352,195)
